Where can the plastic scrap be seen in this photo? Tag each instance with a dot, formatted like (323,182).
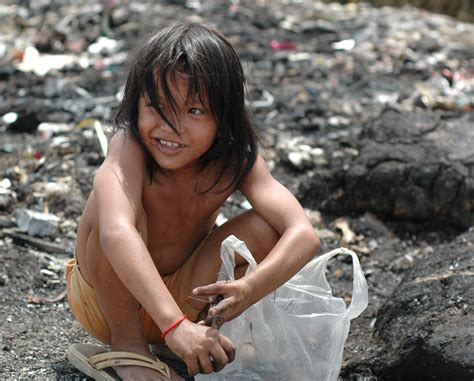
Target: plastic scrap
(283,45)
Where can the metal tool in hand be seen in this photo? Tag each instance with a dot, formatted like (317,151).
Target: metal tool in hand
(216,321)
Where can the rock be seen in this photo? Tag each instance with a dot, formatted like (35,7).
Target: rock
(299,155)
(6,198)
(25,122)
(426,326)
(37,223)
(6,70)
(410,166)
(6,195)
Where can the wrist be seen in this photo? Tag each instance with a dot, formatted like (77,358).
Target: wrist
(173,326)
(167,316)
(250,288)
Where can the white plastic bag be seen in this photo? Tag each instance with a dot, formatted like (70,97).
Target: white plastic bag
(295,333)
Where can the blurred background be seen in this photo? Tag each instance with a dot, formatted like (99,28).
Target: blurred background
(366,113)
(461,9)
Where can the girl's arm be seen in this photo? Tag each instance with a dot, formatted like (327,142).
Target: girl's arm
(297,245)
(298,242)
(118,188)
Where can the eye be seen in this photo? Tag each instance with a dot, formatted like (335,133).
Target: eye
(195,111)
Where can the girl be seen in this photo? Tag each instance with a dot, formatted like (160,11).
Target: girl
(146,246)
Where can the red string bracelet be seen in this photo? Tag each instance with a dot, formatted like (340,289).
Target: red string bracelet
(174,325)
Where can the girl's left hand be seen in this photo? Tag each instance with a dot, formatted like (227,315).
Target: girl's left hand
(236,299)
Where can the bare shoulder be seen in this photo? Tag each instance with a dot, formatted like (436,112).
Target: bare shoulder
(259,175)
(125,157)
(123,147)
(271,199)
(122,174)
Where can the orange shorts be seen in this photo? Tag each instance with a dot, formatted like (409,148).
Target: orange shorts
(85,306)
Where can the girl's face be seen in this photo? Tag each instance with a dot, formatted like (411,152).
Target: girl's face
(195,123)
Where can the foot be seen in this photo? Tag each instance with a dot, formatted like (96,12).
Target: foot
(139,373)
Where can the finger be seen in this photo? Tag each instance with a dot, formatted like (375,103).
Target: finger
(221,307)
(193,366)
(215,322)
(228,346)
(214,299)
(220,358)
(205,364)
(208,321)
(210,289)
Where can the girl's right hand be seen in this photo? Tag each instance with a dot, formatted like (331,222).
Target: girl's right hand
(203,349)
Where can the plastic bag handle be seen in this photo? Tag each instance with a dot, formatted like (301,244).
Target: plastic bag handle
(229,247)
(360,297)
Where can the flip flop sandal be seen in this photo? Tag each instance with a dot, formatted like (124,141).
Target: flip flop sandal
(96,362)
(165,354)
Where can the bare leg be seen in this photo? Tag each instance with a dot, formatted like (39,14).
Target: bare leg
(121,311)
(250,227)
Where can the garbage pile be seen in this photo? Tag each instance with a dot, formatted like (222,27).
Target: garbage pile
(328,86)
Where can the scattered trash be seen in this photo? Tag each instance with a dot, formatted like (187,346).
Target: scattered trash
(47,130)
(104,45)
(101,137)
(38,299)
(348,236)
(10,117)
(28,121)
(6,197)
(344,45)
(5,184)
(301,156)
(40,244)
(285,45)
(327,234)
(314,216)
(40,64)
(316,73)
(267,101)
(448,91)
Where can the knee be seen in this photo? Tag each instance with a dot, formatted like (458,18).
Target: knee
(265,235)
(260,225)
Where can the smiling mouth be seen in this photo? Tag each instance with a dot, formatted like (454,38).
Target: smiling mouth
(169,144)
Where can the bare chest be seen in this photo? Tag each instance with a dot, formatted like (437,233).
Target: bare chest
(177,220)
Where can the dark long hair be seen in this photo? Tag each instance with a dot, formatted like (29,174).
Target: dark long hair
(214,73)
